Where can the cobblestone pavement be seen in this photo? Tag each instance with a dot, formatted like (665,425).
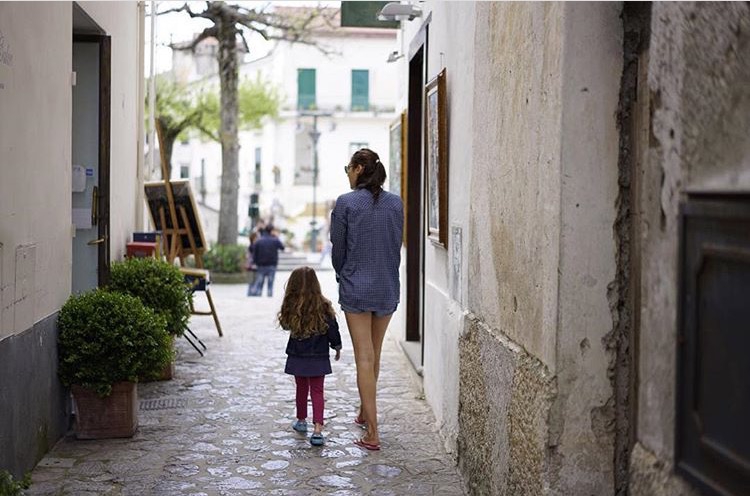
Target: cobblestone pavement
(223,426)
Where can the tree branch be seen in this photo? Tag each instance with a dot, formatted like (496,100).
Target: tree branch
(211,32)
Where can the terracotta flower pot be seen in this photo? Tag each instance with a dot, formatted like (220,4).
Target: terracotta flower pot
(102,418)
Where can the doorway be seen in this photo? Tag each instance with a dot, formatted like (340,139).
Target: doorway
(90,153)
(414,344)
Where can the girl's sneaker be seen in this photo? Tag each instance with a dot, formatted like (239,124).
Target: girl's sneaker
(317,439)
(300,426)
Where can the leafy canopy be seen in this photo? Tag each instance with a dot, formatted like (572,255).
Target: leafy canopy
(181,108)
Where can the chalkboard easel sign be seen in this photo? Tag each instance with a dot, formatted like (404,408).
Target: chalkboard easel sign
(186,238)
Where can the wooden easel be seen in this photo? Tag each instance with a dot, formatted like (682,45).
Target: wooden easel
(173,244)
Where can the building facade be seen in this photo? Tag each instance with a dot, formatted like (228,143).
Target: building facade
(71,100)
(545,321)
(346,81)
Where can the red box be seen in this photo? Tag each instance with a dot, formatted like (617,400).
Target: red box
(141,249)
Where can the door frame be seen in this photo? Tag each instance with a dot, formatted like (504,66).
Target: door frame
(417,57)
(105,112)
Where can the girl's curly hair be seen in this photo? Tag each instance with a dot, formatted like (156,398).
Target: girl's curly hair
(305,310)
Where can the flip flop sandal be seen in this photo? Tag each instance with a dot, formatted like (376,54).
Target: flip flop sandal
(368,446)
(360,422)
(317,440)
(300,426)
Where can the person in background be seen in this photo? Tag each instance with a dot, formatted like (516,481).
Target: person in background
(266,258)
(250,265)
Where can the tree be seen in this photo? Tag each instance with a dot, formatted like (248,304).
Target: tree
(229,25)
(180,110)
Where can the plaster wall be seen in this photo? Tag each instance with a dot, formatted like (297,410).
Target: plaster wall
(514,214)
(445,269)
(35,203)
(700,100)
(535,408)
(35,162)
(583,416)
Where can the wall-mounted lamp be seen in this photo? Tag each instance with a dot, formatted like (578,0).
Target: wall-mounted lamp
(395,11)
(394,56)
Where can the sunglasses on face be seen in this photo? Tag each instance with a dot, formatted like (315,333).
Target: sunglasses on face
(347,168)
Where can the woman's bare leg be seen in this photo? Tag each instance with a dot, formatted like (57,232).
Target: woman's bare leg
(368,333)
(360,329)
(379,327)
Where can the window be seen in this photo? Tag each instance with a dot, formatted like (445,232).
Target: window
(257,166)
(184,171)
(360,90)
(355,146)
(305,89)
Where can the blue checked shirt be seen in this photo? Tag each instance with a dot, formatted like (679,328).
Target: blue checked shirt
(366,253)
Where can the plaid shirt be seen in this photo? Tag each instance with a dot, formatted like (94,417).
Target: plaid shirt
(366,253)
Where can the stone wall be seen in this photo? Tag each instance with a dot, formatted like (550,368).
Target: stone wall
(700,100)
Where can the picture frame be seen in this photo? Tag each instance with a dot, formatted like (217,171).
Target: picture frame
(436,160)
(397,176)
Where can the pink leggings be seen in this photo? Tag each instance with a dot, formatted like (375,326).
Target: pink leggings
(313,386)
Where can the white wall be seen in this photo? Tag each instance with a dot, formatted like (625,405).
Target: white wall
(35,162)
(453,49)
(35,151)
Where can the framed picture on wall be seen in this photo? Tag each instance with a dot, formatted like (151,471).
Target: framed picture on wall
(436,160)
(397,177)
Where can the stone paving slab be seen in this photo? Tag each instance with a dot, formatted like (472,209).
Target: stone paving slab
(223,425)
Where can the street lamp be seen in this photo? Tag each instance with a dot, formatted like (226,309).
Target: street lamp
(314,136)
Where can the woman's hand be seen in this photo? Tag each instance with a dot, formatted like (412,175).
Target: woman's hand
(338,355)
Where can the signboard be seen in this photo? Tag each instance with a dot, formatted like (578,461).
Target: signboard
(364,15)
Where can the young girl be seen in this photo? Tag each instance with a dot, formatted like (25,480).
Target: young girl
(310,318)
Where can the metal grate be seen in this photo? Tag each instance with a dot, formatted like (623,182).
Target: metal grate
(163,404)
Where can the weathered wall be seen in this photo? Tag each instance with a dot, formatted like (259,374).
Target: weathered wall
(445,280)
(514,231)
(582,420)
(35,203)
(541,249)
(698,73)
(33,405)
(505,397)
(35,169)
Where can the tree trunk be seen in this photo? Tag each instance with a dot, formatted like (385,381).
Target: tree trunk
(230,148)
(166,144)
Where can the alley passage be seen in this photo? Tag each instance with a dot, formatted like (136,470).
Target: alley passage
(222,426)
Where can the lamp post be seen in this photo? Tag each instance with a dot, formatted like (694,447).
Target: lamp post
(315,136)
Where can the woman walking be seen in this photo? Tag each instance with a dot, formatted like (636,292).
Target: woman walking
(366,233)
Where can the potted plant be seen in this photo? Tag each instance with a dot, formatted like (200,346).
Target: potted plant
(160,286)
(106,341)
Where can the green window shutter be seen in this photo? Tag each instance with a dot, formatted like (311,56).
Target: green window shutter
(305,89)
(360,90)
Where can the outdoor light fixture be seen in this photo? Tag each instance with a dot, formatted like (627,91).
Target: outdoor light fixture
(394,56)
(395,11)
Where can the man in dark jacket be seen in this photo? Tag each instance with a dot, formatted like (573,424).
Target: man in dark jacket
(266,258)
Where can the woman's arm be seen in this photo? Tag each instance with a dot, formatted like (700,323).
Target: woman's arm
(338,238)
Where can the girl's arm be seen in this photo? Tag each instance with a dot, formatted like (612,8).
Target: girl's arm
(334,337)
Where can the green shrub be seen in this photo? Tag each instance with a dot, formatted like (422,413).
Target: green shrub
(159,285)
(228,259)
(107,337)
(11,487)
